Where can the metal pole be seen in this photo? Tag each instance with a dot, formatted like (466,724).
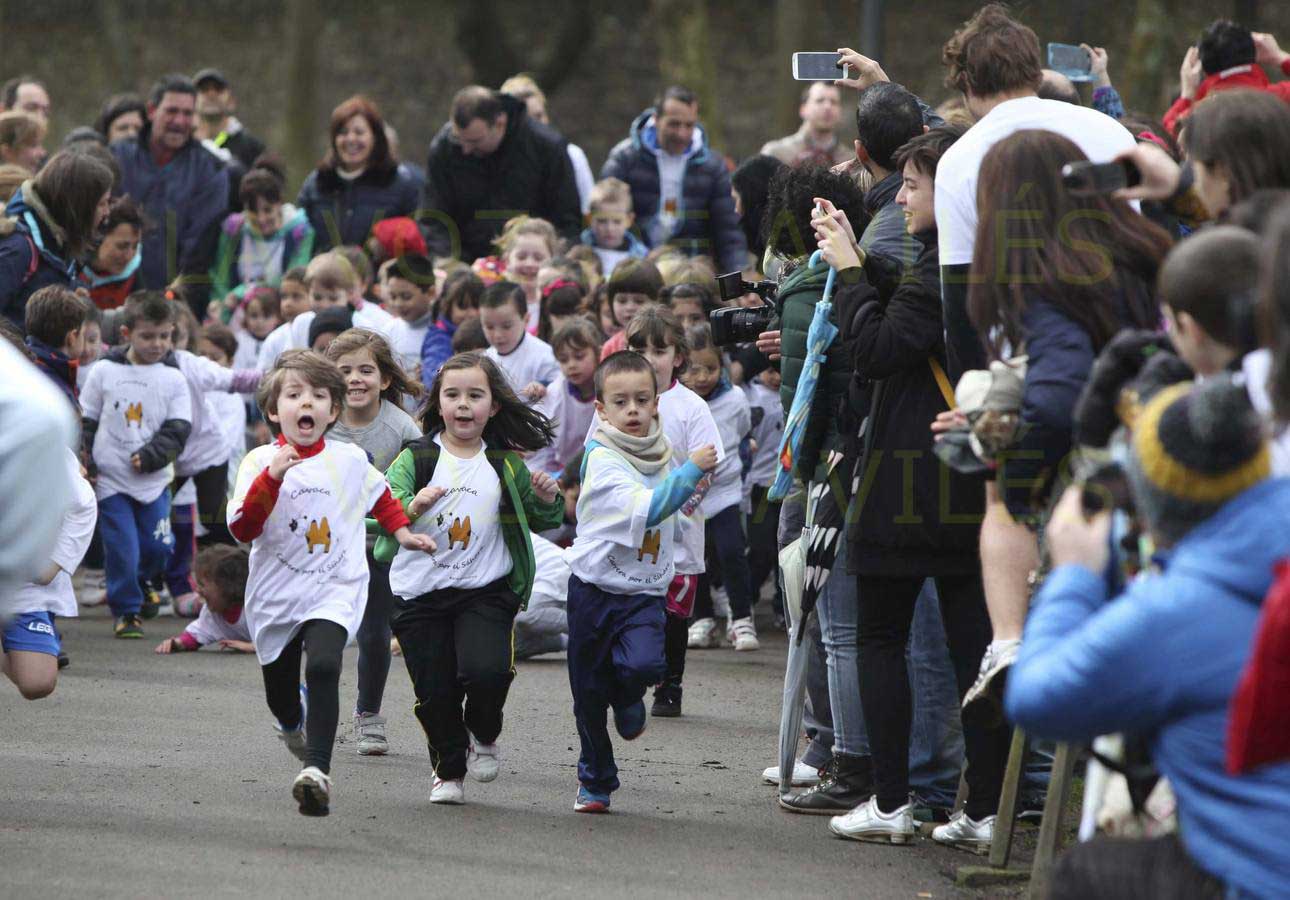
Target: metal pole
(871,36)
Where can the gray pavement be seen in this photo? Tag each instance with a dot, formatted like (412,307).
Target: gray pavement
(146,775)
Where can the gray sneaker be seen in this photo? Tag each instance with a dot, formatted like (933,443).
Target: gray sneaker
(369,732)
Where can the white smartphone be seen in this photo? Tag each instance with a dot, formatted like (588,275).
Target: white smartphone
(817,66)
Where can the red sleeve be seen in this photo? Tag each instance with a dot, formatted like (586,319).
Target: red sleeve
(389,513)
(1285,66)
(256,506)
(1177,112)
(187,641)
(1281,89)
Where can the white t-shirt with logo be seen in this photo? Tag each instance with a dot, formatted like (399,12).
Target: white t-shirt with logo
(131,403)
(310,560)
(615,549)
(209,627)
(466,527)
(1098,135)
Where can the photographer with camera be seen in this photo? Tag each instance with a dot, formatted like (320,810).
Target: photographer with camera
(1163,659)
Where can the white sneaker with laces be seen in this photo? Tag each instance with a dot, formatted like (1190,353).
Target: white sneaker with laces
(703,634)
(869,823)
(998,658)
(963,833)
(451,793)
(803,775)
(483,761)
(743,634)
(312,790)
(369,733)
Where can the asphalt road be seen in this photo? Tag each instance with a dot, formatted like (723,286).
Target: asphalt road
(157,776)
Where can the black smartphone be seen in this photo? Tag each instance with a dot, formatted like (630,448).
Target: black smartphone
(1086,178)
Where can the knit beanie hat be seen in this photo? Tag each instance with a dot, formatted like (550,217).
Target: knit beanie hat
(333,321)
(1194,448)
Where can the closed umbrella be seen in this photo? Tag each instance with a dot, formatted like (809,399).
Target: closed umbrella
(818,339)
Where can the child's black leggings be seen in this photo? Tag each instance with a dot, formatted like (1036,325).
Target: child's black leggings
(322,643)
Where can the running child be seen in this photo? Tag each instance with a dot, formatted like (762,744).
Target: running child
(763,513)
(464,485)
(373,418)
(570,401)
(525,359)
(300,503)
(458,303)
(722,505)
(525,245)
(621,564)
(136,418)
(609,221)
(260,315)
(633,285)
(221,573)
(332,284)
(657,335)
(410,292)
(562,302)
(269,237)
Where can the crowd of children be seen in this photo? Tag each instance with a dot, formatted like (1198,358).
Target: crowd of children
(390,449)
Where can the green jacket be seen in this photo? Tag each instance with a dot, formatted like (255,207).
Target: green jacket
(521,510)
(798,294)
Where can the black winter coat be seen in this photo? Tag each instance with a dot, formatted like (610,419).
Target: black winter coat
(529,173)
(916,516)
(343,212)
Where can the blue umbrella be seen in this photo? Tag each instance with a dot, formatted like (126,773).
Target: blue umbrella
(818,338)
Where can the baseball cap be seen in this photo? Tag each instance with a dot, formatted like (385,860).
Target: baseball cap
(210,74)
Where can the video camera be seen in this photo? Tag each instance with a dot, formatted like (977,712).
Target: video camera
(737,324)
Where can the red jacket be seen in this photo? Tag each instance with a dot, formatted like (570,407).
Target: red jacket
(1251,77)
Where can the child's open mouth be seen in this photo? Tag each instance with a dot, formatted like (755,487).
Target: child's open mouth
(305,423)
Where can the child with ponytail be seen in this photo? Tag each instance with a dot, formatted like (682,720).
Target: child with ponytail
(465,486)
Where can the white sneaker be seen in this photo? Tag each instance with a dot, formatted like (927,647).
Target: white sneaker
(963,833)
(721,602)
(369,733)
(998,658)
(483,760)
(803,775)
(868,823)
(703,634)
(312,790)
(294,739)
(451,793)
(743,634)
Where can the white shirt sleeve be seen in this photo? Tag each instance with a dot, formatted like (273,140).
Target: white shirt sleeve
(955,215)
(206,375)
(78,525)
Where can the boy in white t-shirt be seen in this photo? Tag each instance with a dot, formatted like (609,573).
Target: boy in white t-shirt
(30,642)
(301,503)
(409,289)
(332,284)
(527,361)
(137,415)
(622,565)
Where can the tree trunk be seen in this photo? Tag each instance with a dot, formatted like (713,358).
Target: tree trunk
(302,28)
(685,57)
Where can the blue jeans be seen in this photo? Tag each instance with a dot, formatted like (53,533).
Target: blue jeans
(137,543)
(836,608)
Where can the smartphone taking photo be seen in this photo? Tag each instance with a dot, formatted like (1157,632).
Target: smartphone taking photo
(813,66)
(1072,61)
(1085,178)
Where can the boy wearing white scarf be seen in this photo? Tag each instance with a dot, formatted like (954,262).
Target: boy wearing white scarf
(621,564)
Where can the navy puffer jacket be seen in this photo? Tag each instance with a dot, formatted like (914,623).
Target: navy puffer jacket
(709,224)
(31,255)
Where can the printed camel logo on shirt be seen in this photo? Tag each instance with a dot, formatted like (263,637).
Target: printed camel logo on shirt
(649,546)
(134,413)
(318,534)
(459,533)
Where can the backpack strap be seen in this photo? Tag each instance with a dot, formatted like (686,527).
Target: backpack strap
(425,458)
(35,260)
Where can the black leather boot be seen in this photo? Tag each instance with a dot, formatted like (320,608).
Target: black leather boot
(847,782)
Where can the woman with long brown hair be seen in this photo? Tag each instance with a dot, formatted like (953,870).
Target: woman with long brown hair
(1054,276)
(358,182)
